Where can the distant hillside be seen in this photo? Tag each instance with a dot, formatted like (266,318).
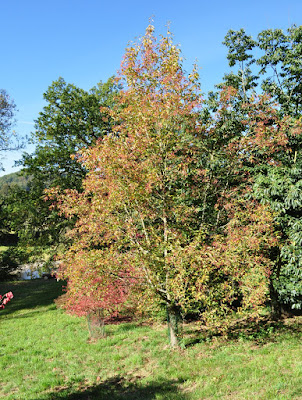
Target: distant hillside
(14,179)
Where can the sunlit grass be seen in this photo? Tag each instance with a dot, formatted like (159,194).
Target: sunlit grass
(46,354)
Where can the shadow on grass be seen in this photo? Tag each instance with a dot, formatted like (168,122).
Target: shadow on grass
(119,388)
(261,331)
(125,327)
(30,294)
(265,329)
(26,314)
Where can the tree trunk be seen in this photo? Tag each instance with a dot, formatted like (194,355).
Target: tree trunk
(275,304)
(173,319)
(96,324)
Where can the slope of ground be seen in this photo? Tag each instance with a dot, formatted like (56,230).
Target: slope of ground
(47,355)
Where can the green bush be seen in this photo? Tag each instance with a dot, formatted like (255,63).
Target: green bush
(8,264)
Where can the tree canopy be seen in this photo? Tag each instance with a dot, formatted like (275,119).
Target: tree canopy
(9,140)
(271,63)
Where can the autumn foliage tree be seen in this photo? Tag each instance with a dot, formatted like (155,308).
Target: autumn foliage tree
(166,209)
(144,177)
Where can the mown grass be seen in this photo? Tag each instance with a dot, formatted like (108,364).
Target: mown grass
(46,354)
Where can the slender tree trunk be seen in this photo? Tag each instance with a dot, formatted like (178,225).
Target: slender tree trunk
(173,319)
(96,324)
(275,304)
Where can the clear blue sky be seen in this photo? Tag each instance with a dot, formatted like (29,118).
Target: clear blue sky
(84,41)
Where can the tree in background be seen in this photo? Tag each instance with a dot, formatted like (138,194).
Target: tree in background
(276,57)
(9,140)
(70,121)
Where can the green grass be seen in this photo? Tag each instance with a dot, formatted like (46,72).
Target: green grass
(46,354)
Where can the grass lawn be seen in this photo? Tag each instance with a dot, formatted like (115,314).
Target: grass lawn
(46,354)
